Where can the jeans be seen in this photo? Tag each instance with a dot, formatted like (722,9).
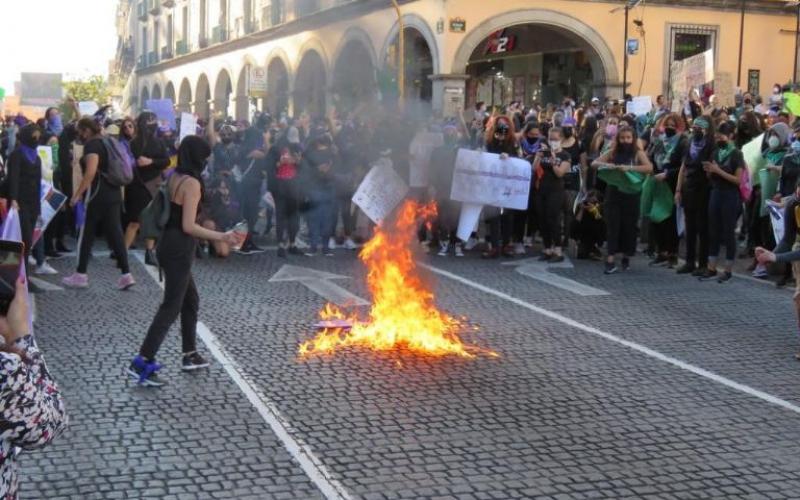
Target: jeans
(320,227)
(250,197)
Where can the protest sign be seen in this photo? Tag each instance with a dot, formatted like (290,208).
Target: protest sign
(165,112)
(640,105)
(753,158)
(468,220)
(258,81)
(88,108)
(380,192)
(723,90)
(46,155)
(419,161)
(51,202)
(776,218)
(484,179)
(188,125)
(691,73)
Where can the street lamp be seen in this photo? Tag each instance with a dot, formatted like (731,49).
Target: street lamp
(401,56)
(629,4)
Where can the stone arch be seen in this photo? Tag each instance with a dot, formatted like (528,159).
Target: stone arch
(310,83)
(156,93)
(144,97)
(278,84)
(353,75)
(202,97)
(223,88)
(185,96)
(169,92)
(604,66)
(422,61)
(242,90)
(421,25)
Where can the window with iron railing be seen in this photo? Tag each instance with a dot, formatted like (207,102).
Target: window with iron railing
(305,7)
(273,14)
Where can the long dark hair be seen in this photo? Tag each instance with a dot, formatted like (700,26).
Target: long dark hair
(143,136)
(192,155)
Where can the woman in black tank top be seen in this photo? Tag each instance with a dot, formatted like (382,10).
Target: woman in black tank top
(176,251)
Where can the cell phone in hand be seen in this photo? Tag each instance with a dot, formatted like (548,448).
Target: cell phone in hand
(11,255)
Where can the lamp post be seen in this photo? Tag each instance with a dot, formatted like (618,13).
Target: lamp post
(629,4)
(401,57)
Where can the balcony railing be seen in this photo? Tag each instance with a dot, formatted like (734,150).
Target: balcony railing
(272,15)
(141,63)
(152,58)
(181,48)
(219,34)
(166,53)
(141,10)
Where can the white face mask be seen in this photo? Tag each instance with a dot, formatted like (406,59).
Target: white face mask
(773,142)
(555,145)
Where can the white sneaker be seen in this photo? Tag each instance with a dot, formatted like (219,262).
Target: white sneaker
(459,251)
(519,249)
(300,243)
(350,244)
(31,260)
(45,268)
(527,241)
(332,243)
(444,249)
(470,244)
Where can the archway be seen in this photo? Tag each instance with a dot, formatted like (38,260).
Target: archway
(202,99)
(354,75)
(185,97)
(145,96)
(277,87)
(242,94)
(535,55)
(222,93)
(156,94)
(169,92)
(309,85)
(419,66)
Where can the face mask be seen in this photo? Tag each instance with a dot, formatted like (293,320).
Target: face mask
(722,144)
(555,145)
(698,135)
(531,140)
(152,127)
(55,124)
(227,140)
(626,147)
(748,102)
(773,142)
(670,132)
(796,147)
(568,133)
(611,130)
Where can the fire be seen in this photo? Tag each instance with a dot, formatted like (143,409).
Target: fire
(403,313)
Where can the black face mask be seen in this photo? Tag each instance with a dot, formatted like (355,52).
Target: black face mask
(670,132)
(533,139)
(747,102)
(152,128)
(625,148)
(698,135)
(568,133)
(722,144)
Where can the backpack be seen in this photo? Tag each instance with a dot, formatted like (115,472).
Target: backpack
(120,164)
(155,215)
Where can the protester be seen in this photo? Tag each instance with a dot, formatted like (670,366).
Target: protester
(318,167)
(253,162)
(102,203)
(286,193)
(500,140)
(443,162)
(176,252)
(550,166)
(32,412)
(220,213)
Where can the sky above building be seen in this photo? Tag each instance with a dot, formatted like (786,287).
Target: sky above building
(74,37)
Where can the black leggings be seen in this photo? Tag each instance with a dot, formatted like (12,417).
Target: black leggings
(695,209)
(723,212)
(621,211)
(250,198)
(109,214)
(549,209)
(175,255)
(665,235)
(287,217)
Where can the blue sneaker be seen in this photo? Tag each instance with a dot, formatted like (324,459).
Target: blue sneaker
(144,372)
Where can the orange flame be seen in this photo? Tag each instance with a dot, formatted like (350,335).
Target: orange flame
(403,312)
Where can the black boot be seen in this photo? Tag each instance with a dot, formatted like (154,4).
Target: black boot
(150,257)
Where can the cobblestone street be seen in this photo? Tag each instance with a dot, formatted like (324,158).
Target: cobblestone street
(664,387)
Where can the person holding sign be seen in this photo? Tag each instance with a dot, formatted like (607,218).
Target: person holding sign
(550,165)
(623,168)
(500,139)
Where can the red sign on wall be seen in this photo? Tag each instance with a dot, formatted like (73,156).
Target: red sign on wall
(500,42)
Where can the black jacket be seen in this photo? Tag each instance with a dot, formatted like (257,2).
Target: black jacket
(24,181)
(149,147)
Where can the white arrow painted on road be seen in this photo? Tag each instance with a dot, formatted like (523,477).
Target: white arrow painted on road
(320,283)
(537,270)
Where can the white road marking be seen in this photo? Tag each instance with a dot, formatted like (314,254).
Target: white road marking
(319,283)
(533,268)
(311,465)
(764,396)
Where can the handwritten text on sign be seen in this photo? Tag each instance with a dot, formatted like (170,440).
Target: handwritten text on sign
(485,179)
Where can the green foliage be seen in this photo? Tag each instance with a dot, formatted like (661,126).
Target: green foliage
(95,88)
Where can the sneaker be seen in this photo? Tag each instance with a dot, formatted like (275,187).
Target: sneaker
(350,244)
(508,251)
(311,252)
(31,260)
(125,281)
(708,275)
(327,252)
(760,272)
(144,372)
(610,268)
(459,251)
(332,242)
(527,242)
(444,249)
(45,268)
(293,250)
(726,277)
(660,260)
(76,280)
(150,258)
(519,249)
(193,361)
(685,269)
(626,263)
(281,252)
(470,244)
(300,242)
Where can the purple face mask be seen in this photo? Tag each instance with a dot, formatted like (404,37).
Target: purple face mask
(611,130)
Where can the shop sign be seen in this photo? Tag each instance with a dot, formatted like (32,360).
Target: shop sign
(458,25)
(500,42)
(258,81)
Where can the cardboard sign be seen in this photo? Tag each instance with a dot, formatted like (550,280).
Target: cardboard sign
(723,90)
(468,220)
(165,112)
(419,160)
(52,201)
(46,155)
(188,125)
(380,192)
(88,108)
(691,73)
(258,81)
(640,106)
(484,179)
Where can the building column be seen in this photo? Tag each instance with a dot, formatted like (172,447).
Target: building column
(449,94)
